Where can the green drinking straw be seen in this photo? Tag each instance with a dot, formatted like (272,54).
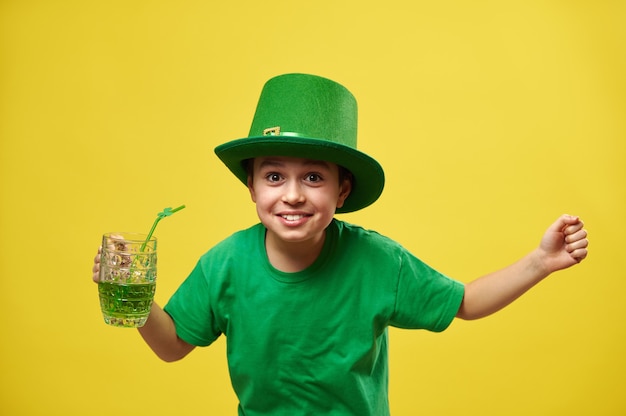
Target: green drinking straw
(165,213)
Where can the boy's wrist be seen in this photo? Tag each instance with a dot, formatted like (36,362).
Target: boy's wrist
(540,263)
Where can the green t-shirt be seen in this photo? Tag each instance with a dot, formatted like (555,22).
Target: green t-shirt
(312,342)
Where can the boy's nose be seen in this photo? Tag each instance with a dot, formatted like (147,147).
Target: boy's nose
(293,194)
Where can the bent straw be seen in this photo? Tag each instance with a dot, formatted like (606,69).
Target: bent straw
(165,213)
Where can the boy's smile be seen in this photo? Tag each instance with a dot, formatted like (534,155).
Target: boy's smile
(292,220)
(296,200)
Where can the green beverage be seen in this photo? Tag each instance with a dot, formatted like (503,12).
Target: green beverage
(126,305)
(127,278)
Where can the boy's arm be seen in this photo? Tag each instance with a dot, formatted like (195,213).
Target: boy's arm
(159,333)
(563,245)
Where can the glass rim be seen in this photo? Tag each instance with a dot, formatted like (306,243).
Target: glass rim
(130,237)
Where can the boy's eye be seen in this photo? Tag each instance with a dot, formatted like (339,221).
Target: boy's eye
(313,177)
(273,177)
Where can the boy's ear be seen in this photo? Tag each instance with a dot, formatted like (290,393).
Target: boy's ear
(251,189)
(344,192)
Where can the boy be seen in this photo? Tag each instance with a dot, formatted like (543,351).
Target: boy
(304,299)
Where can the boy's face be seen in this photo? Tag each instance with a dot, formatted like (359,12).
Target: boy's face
(296,198)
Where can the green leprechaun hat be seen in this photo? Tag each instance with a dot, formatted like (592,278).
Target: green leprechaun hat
(311,117)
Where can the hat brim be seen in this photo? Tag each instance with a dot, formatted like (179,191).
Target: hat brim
(368,175)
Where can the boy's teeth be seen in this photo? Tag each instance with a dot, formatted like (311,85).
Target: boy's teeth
(292,217)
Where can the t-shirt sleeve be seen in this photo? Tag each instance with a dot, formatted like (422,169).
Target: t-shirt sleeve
(425,298)
(190,308)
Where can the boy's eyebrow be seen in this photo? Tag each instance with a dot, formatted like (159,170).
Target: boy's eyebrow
(277,163)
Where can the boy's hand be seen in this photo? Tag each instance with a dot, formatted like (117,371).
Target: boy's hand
(564,244)
(115,242)
(96,266)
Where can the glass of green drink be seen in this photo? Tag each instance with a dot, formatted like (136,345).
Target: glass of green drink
(127,278)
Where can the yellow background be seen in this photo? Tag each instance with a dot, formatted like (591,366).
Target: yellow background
(491,119)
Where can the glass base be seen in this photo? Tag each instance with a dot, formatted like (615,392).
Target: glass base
(125,321)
